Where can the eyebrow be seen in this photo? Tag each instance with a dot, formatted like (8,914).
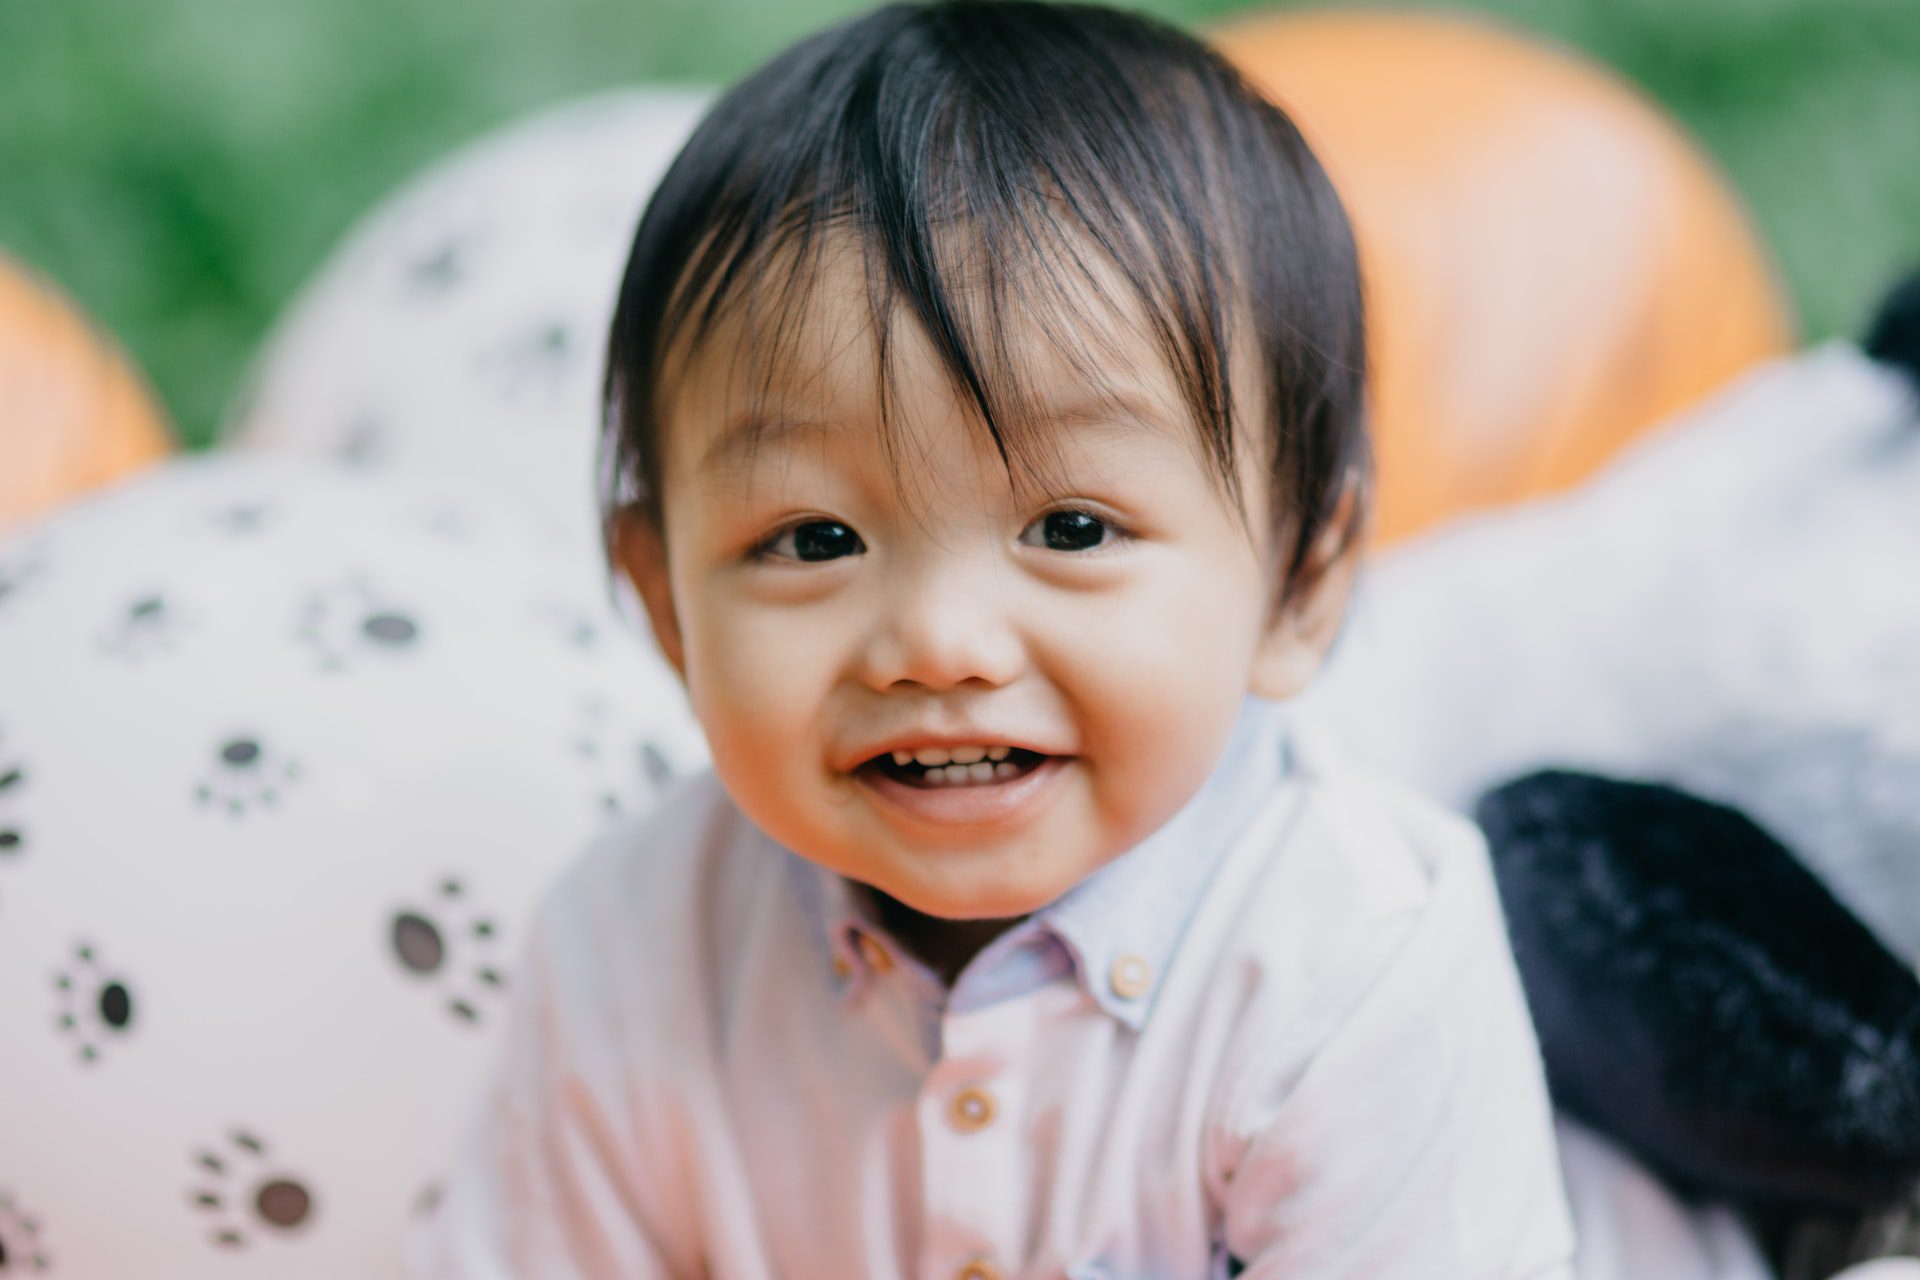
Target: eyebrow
(1118,409)
(750,429)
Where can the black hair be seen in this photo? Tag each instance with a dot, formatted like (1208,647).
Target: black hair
(979,151)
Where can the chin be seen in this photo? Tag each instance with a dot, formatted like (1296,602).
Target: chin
(999,901)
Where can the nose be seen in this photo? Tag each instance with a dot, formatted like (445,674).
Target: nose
(942,623)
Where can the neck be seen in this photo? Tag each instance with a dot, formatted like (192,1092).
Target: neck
(945,946)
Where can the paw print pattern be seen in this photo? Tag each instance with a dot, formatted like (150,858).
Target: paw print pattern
(351,621)
(437,251)
(13,785)
(21,1252)
(577,631)
(434,944)
(146,626)
(364,445)
(240,520)
(453,523)
(427,1201)
(95,1006)
(240,1192)
(19,569)
(618,762)
(244,776)
(530,369)
(439,268)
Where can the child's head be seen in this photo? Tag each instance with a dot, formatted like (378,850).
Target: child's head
(986,375)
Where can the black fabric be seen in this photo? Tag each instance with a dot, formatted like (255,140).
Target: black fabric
(1895,336)
(1702,998)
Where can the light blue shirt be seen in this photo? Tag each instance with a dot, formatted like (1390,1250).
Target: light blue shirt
(1285,1028)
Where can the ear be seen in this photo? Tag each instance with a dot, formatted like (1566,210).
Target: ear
(1297,639)
(641,554)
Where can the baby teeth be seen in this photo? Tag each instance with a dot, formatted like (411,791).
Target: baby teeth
(962,774)
(933,757)
(959,764)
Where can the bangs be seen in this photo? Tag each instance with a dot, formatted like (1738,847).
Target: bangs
(995,160)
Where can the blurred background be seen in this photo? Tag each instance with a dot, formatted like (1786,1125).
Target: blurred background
(180,166)
(282,661)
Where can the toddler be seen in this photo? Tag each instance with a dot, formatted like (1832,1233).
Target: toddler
(987,447)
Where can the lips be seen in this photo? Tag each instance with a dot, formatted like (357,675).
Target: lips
(930,809)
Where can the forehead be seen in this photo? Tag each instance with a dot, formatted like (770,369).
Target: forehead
(818,341)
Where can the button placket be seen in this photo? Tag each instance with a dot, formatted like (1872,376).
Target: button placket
(972,1162)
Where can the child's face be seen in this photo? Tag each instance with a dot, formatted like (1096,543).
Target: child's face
(949,610)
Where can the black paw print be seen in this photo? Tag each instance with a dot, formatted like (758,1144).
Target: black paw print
(438,269)
(530,369)
(13,785)
(147,625)
(245,775)
(240,519)
(94,1004)
(364,445)
(19,569)
(244,1192)
(422,945)
(454,523)
(574,629)
(427,1202)
(351,620)
(623,766)
(21,1252)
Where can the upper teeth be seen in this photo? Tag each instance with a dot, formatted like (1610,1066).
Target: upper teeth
(934,756)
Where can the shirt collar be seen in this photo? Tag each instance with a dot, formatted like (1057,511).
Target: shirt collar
(1116,930)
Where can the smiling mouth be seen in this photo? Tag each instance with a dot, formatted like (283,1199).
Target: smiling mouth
(1018,763)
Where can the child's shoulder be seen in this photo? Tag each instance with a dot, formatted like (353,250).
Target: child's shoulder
(694,833)
(1345,875)
(644,899)
(1380,845)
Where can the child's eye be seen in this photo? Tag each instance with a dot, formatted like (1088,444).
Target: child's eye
(812,540)
(1070,531)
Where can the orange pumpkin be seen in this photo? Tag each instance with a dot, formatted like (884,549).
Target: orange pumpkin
(1551,266)
(73,414)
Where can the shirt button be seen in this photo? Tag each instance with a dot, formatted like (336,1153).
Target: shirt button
(1130,977)
(875,953)
(978,1269)
(972,1110)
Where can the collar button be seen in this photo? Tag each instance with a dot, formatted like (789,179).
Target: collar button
(875,953)
(1130,977)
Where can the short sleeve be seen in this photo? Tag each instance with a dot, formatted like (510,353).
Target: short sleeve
(1415,1139)
(544,1184)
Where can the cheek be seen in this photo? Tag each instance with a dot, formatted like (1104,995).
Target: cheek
(758,684)
(1158,682)
(1183,635)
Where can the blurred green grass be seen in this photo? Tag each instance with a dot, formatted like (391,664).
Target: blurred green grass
(180,166)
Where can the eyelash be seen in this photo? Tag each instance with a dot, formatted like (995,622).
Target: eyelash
(1117,536)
